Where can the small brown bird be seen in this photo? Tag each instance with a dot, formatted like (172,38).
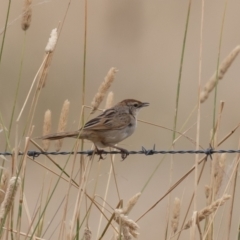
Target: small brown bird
(109,128)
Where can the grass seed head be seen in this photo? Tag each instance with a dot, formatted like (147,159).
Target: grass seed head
(3,185)
(52,41)
(131,202)
(47,123)
(175,214)
(87,235)
(226,63)
(106,84)
(62,123)
(27,15)
(109,101)
(205,212)
(9,196)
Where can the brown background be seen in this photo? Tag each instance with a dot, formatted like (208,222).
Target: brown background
(143,39)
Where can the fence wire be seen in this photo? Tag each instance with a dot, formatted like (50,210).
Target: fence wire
(144,151)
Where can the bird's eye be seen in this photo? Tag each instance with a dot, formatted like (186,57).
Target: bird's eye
(135,105)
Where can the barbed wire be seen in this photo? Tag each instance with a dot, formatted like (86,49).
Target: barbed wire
(144,151)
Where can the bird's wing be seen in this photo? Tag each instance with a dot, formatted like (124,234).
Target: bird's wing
(109,120)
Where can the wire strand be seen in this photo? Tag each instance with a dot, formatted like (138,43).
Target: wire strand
(144,151)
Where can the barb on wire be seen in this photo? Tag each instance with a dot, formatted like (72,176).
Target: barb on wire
(209,152)
(144,151)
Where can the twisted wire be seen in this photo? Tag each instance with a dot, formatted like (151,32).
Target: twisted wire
(144,151)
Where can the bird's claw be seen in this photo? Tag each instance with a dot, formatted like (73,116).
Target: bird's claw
(100,153)
(124,154)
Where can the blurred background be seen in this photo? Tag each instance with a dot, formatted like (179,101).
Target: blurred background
(143,40)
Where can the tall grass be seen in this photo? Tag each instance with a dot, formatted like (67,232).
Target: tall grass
(80,210)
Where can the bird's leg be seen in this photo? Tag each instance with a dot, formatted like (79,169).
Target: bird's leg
(124,152)
(99,152)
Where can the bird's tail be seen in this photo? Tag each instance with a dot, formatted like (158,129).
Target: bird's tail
(56,136)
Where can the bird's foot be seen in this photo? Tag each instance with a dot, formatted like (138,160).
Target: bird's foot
(124,154)
(100,153)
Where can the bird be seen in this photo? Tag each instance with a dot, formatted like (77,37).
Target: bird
(109,128)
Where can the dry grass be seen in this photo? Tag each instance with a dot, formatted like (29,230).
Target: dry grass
(62,123)
(130,228)
(109,101)
(175,215)
(227,62)
(205,212)
(47,123)
(9,197)
(27,15)
(81,210)
(3,185)
(102,90)
(87,234)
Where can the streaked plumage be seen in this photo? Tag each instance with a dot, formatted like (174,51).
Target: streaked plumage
(110,127)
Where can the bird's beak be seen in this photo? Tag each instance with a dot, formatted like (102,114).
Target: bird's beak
(145,104)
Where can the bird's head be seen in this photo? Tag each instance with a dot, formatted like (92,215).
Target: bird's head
(134,105)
